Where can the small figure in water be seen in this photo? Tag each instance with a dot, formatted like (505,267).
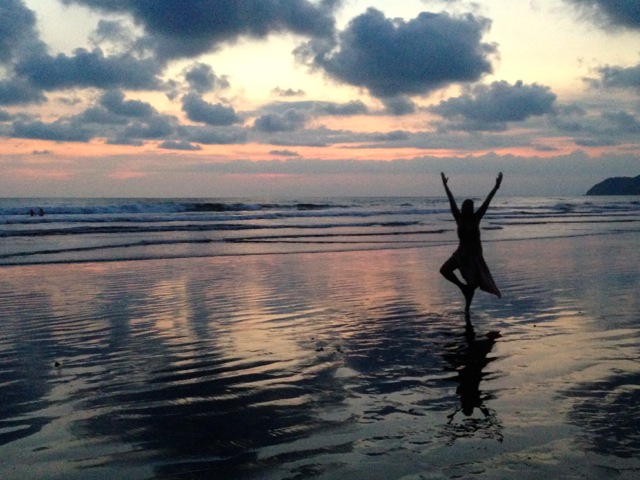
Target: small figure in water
(468,257)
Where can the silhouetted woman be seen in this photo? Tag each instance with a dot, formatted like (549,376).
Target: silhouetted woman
(468,257)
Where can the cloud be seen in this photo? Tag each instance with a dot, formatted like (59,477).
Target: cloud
(213,135)
(292,119)
(114,102)
(288,92)
(89,69)
(622,122)
(17,91)
(491,107)
(611,13)
(618,77)
(393,57)
(113,110)
(284,153)
(179,145)
(197,27)
(394,136)
(113,33)
(354,107)
(121,140)
(18,35)
(158,126)
(311,108)
(102,116)
(17,28)
(201,78)
(604,128)
(59,131)
(399,105)
(198,110)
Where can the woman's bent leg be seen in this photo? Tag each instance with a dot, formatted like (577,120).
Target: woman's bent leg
(447,270)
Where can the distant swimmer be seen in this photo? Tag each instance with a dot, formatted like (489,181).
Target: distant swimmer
(468,257)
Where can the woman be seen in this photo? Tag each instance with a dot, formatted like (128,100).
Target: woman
(468,257)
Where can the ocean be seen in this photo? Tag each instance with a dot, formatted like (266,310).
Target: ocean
(87,230)
(291,339)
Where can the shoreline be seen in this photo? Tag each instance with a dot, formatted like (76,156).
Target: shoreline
(404,246)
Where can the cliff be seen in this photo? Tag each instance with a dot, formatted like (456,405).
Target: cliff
(617,186)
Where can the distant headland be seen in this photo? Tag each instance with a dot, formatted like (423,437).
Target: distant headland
(617,186)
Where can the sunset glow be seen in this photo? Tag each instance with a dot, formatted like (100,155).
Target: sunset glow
(95,94)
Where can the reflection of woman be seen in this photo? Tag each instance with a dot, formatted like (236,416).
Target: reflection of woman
(469,357)
(468,257)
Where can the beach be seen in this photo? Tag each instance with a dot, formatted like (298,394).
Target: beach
(335,364)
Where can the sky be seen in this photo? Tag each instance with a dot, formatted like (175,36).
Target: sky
(316,98)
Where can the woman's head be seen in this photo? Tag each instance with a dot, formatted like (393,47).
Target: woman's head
(467,207)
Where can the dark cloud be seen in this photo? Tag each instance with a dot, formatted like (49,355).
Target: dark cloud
(113,109)
(312,108)
(288,121)
(89,69)
(284,153)
(113,33)
(18,35)
(201,78)
(17,91)
(595,142)
(196,27)
(198,110)
(393,57)
(394,136)
(399,105)
(491,107)
(618,77)
(616,13)
(214,135)
(622,122)
(102,116)
(115,103)
(179,145)
(595,129)
(354,107)
(59,131)
(288,92)
(17,28)
(69,101)
(121,140)
(159,126)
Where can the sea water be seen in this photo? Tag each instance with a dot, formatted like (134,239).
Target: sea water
(72,230)
(315,338)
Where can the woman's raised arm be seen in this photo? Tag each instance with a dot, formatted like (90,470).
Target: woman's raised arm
(485,205)
(452,201)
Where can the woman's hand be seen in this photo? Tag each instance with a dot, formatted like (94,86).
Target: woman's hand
(498,180)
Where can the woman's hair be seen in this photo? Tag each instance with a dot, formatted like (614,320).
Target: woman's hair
(467,207)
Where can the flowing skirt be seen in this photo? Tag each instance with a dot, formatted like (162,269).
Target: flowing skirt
(475,271)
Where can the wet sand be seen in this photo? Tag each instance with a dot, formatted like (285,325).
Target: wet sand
(325,365)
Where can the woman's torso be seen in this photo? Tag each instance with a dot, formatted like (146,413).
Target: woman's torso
(469,234)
